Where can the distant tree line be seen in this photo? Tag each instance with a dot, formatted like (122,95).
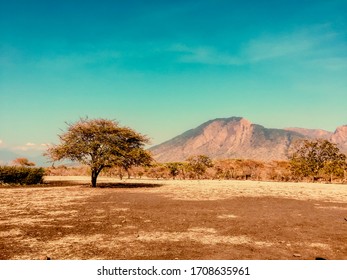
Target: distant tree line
(310,161)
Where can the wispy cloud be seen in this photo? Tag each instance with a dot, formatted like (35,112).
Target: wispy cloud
(204,55)
(30,147)
(330,63)
(310,42)
(11,56)
(276,47)
(314,43)
(73,60)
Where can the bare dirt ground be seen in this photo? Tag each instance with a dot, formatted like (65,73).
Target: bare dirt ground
(153,219)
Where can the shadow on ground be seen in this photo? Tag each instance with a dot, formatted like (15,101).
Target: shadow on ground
(45,184)
(58,183)
(64,183)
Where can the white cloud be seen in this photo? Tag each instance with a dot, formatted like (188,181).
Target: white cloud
(30,144)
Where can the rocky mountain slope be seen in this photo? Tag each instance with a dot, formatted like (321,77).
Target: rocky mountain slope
(312,133)
(339,137)
(237,137)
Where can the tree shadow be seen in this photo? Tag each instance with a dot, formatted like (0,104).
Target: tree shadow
(58,183)
(128,185)
(70,183)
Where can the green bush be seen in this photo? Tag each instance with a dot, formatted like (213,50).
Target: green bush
(21,175)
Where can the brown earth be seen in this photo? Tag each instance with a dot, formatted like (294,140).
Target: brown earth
(150,219)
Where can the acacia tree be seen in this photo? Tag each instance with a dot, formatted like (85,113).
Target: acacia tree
(100,143)
(315,158)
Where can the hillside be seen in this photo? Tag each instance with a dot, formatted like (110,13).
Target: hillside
(312,133)
(237,137)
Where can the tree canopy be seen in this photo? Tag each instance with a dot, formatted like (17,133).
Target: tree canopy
(198,164)
(317,158)
(175,168)
(23,162)
(101,143)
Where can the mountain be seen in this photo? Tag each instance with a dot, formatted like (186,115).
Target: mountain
(312,133)
(237,137)
(339,137)
(7,156)
(233,137)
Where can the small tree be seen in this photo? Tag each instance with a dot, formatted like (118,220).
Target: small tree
(136,157)
(198,164)
(24,162)
(175,168)
(315,158)
(100,143)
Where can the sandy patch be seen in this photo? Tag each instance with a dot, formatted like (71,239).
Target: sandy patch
(192,236)
(12,232)
(320,246)
(227,216)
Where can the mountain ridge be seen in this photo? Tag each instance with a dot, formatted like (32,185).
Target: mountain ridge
(237,137)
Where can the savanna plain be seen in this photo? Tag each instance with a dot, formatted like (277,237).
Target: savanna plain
(65,218)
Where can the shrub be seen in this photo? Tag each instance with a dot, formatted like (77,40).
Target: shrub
(21,175)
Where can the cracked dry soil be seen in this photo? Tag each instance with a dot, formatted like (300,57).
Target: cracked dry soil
(144,219)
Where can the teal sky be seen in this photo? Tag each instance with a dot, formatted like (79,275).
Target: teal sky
(162,67)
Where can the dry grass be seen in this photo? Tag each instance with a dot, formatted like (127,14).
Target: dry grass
(153,219)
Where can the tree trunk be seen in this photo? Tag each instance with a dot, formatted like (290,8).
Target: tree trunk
(95,174)
(120,173)
(128,172)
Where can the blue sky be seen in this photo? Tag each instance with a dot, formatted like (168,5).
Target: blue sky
(162,67)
